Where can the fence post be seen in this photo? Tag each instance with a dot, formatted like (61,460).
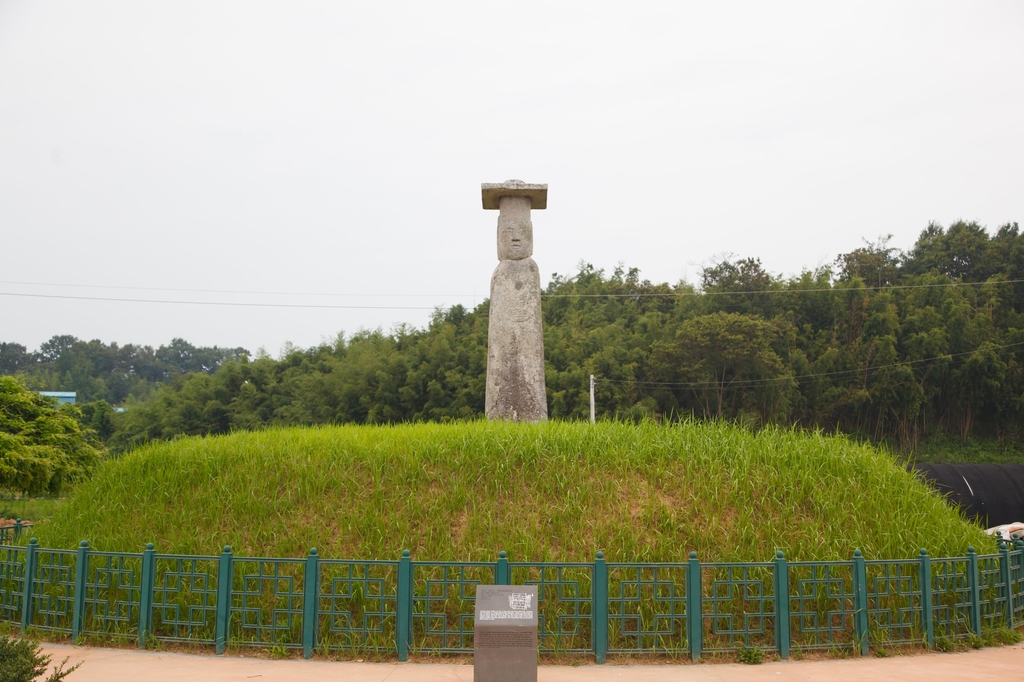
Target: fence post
(146,594)
(26,595)
(599,608)
(310,603)
(694,607)
(224,580)
(783,638)
(975,591)
(501,572)
(403,606)
(81,571)
(1004,577)
(860,603)
(924,578)
(1016,556)
(17,529)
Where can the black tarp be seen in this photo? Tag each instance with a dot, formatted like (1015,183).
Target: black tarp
(991,493)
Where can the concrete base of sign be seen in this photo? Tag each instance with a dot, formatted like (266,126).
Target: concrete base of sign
(505,634)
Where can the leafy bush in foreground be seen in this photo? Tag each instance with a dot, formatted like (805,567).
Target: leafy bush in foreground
(21,661)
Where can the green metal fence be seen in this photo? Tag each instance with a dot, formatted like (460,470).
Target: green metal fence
(585,608)
(13,532)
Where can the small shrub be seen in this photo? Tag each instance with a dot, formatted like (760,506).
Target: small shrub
(21,661)
(943,644)
(975,642)
(840,651)
(1008,636)
(750,655)
(1001,636)
(881,653)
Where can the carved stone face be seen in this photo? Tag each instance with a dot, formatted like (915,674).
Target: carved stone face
(515,229)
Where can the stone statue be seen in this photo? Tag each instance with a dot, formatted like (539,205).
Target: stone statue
(515,337)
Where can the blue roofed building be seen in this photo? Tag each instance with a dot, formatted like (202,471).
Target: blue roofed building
(63,397)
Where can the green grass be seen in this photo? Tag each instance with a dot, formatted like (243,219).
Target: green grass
(29,508)
(945,449)
(556,491)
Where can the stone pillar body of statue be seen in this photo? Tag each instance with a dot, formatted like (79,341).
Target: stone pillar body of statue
(515,336)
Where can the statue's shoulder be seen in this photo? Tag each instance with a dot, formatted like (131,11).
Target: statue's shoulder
(524,271)
(517,266)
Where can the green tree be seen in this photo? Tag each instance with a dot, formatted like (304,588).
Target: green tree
(42,448)
(720,352)
(874,263)
(14,357)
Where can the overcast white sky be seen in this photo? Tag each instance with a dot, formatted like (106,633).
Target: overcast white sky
(338,148)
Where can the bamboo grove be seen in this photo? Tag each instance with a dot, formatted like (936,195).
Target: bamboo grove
(889,345)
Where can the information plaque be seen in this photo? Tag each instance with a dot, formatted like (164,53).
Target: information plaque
(505,634)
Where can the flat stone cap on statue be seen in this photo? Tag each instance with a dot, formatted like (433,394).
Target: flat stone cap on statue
(493,192)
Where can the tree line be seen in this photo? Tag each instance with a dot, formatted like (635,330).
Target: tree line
(887,344)
(110,373)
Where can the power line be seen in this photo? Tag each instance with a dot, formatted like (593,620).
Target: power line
(673,294)
(678,294)
(387,307)
(230,291)
(223,303)
(808,377)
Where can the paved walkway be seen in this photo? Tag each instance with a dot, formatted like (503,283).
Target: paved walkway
(1004,664)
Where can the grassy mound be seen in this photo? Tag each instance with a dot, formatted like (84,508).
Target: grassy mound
(558,491)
